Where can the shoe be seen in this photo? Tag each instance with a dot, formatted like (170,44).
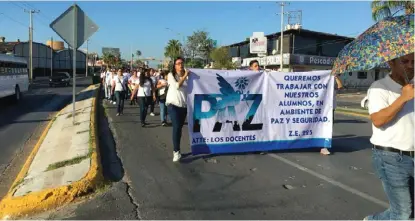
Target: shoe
(118,114)
(152,114)
(163,124)
(325,151)
(365,218)
(176,156)
(143,125)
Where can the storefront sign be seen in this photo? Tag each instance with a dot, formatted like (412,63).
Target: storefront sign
(297,59)
(258,43)
(268,60)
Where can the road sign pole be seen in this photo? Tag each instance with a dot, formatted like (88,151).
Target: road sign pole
(75,36)
(85,28)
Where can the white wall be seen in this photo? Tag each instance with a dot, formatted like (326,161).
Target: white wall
(352,81)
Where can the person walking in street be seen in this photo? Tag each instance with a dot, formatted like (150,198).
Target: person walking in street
(176,103)
(133,82)
(154,82)
(119,92)
(162,94)
(337,86)
(145,94)
(108,79)
(391,109)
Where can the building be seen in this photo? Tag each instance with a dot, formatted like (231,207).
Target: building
(304,50)
(43,56)
(7,47)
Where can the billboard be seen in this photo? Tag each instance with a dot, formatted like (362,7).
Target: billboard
(114,51)
(258,43)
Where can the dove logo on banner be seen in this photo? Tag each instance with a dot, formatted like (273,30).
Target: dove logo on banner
(244,111)
(222,106)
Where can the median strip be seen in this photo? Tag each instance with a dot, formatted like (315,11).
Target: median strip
(64,164)
(353,112)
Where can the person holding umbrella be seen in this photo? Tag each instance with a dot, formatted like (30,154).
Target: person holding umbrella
(391,107)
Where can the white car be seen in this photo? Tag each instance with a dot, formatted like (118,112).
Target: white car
(365,102)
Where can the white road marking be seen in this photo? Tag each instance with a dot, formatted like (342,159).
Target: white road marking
(331,181)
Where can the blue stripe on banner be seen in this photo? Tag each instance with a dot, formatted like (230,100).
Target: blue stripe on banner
(260,146)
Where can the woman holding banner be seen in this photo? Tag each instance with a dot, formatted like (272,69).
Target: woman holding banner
(176,102)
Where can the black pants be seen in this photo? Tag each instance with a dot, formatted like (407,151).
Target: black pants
(144,102)
(152,103)
(119,96)
(178,117)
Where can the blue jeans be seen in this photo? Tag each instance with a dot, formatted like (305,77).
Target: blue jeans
(397,174)
(119,96)
(144,102)
(163,110)
(178,117)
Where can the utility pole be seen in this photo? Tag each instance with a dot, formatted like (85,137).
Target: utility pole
(86,72)
(51,56)
(282,4)
(131,62)
(31,42)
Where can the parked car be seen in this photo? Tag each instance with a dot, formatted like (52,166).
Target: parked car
(60,78)
(365,102)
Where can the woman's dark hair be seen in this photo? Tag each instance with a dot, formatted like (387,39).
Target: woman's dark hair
(143,77)
(253,62)
(174,67)
(163,74)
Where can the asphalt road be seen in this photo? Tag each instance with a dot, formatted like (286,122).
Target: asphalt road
(299,184)
(21,125)
(350,101)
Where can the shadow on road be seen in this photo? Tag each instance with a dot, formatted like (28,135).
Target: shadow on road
(345,121)
(111,163)
(340,144)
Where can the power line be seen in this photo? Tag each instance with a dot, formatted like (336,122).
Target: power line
(21,23)
(15,4)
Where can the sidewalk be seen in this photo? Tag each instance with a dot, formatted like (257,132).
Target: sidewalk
(62,165)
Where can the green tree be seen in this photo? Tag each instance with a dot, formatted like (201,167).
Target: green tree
(109,59)
(138,53)
(222,59)
(386,8)
(199,44)
(194,63)
(173,49)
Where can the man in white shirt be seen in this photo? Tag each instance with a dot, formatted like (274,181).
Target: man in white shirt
(108,78)
(391,109)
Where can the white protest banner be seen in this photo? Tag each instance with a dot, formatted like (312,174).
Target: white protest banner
(244,111)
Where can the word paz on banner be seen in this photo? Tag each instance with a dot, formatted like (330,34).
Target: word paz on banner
(223,106)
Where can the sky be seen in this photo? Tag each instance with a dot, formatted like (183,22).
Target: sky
(148,26)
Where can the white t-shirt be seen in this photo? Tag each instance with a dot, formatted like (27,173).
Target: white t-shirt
(163,89)
(108,78)
(145,89)
(134,80)
(176,95)
(118,83)
(398,133)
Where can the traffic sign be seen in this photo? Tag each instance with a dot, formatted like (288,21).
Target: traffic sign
(74,26)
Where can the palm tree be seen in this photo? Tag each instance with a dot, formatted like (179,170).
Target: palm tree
(109,59)
(173,49)
(386,8)
(138,53)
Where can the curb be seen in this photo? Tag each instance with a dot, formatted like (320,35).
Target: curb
(14,207)
(352,112)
